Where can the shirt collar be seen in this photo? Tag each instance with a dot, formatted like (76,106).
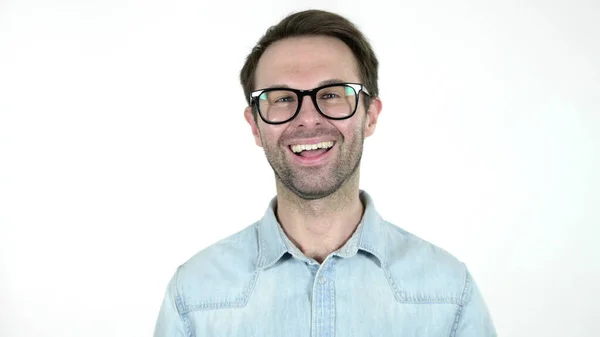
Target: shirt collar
(368,236)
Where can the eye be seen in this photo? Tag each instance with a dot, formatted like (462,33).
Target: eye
(329,95)
(285,99)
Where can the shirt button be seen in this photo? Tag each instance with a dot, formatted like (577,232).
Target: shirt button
(322,280)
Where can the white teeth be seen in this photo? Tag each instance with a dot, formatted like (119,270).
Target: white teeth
(302,147)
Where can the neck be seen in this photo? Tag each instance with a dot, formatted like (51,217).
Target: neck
(321,226)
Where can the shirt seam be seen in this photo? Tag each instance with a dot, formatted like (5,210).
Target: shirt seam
(180,306)
(461,305)
(404,297)
(264,261)
(238,303)
(260,260)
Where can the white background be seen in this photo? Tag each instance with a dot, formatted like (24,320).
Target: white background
(123,151)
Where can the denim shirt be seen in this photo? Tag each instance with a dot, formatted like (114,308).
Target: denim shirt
(384,281)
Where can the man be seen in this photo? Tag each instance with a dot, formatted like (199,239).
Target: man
(321,262)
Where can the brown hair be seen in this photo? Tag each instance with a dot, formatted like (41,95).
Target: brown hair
(316,22)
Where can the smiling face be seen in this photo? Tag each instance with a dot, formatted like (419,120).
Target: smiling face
(331,149)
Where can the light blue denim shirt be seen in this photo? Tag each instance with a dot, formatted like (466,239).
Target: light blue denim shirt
(383,282)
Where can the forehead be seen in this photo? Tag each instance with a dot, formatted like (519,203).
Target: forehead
(304,62)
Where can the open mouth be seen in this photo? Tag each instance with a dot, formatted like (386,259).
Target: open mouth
(311,150)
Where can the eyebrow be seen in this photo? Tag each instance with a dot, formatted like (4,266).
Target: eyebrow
(322,83)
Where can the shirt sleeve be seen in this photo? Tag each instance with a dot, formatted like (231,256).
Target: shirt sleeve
(170,322)
(473,318)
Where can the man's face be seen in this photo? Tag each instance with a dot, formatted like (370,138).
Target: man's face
(306,63)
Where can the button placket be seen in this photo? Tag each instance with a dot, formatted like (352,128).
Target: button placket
(323,316)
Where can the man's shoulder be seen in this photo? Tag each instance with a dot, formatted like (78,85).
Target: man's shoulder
(227,269)
(422,270)
(242,244)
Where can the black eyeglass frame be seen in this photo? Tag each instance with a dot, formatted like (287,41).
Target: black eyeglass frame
(357,87)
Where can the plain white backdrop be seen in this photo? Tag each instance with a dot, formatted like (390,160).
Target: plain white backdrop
(124,151)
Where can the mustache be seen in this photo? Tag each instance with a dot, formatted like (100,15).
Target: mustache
(312,133)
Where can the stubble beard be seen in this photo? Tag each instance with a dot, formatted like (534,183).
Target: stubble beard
(310,183)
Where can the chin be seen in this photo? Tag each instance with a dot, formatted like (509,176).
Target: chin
(313,192)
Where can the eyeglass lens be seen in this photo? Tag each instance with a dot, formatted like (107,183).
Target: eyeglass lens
(279,105)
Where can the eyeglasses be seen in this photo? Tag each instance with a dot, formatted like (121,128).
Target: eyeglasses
(280,105)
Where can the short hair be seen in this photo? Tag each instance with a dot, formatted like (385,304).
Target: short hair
(317,23)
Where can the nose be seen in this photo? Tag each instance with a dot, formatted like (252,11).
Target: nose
(308,116)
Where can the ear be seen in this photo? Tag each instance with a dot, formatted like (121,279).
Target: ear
(372,115)
(250,119)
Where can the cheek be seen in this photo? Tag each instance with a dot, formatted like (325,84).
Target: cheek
(352,132)
(270,136)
